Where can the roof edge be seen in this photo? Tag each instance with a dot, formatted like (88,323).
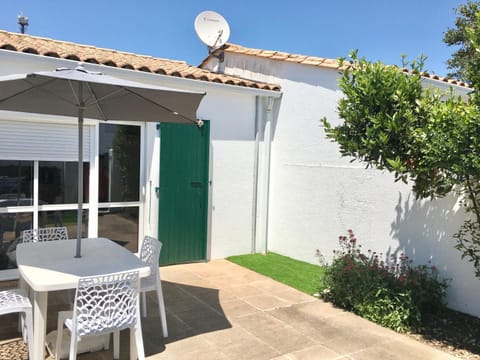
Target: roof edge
(42,46)
(326,63)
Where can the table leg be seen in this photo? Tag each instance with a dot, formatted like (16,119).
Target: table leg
(39,324)
(23,286)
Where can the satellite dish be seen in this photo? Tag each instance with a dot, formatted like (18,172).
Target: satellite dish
(212,29)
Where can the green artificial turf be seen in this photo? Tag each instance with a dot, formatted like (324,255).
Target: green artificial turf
(297,274)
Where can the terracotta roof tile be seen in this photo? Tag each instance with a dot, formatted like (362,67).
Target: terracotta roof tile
(282,56)
(442,79)
(315,61)
(108,57)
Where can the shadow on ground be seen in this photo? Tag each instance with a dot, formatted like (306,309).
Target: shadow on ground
(191,311)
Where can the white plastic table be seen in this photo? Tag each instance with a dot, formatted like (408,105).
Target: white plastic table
(49,266)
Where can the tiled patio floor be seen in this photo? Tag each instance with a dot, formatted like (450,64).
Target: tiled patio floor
(218,310)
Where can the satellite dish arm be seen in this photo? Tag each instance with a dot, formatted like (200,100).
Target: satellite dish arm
(221,54)
(220,33)
(213,48)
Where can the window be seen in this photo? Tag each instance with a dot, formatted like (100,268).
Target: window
(57,182)
(67,218)
(42,192)
(16,192)
(16,183)
(119,173)
(120,224)
(119,182)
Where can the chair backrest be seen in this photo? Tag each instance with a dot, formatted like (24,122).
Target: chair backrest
(150,255)
(105,303)
(13,300)
(45,234)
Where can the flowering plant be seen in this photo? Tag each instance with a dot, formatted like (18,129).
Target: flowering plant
(390,292)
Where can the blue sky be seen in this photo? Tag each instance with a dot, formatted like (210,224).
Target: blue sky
(379,29)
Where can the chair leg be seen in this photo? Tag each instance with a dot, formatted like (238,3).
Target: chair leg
(22,325)
(29,325)
(161,306)
(136,346)
(61,317)
(23,286)
(133,345)
(116,344)
(73,346)
(58,343)
(144,303)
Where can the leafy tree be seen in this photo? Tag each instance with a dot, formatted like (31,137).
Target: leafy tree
(466,24)
(431,139)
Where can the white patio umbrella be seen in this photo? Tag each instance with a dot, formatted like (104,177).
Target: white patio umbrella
(84,94)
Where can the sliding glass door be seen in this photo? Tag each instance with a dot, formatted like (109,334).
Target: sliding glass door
(43,193)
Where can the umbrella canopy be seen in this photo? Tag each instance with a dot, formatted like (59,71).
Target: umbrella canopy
(84,94)
(103,97)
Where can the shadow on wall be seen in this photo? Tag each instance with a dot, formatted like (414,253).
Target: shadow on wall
(424,230)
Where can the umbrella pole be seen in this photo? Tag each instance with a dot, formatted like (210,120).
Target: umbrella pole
(80,175)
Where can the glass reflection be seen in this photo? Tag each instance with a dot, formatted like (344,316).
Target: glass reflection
(11,227)
(120,225)
(67,218)
(16,183)
(57,182)
(119,173)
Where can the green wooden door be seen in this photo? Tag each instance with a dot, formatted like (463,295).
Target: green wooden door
(183,192)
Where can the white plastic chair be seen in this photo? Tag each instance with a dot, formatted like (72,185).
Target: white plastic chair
(150,254)
(16,301)
(105,304)
(45,234)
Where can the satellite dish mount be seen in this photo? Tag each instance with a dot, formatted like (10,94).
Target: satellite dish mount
(213,31)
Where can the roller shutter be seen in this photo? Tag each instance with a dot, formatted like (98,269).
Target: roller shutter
(21,140)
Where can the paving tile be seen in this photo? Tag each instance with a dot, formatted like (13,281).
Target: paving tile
(204,271)
(243,291)
(214,298)
(293,296)
(316,352)
(266,302)
(237,308)
(317,328)
(201,354)
(219,310)
(186,304)
(229,337)
(283,357)
(252,349)
(320,308)
(227,281)
(269,285)
(275,333)
(188,348)
(397,350)
(204,321)
(355,341)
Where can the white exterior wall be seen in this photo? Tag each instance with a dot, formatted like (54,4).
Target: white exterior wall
(316,195)
(231,111)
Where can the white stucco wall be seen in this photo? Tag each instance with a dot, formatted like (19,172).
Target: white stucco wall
(231,111)
(315,195)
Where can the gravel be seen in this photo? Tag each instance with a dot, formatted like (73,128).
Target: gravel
(453,332)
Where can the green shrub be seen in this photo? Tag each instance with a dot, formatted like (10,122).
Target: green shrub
(391,293)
